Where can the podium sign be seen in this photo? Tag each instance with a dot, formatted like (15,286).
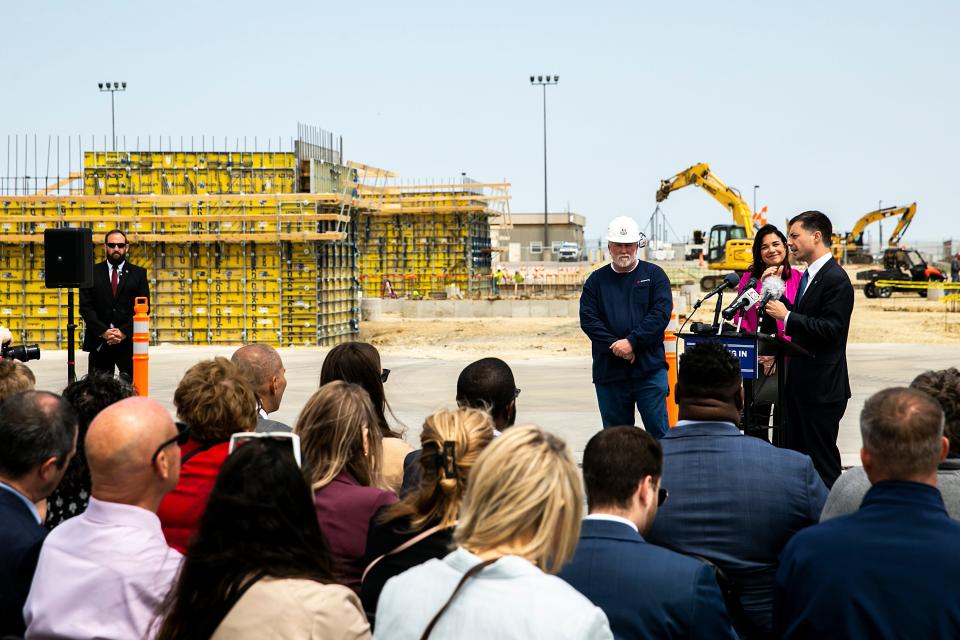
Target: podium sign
(743,349)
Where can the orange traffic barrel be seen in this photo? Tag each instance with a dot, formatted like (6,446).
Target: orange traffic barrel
(141,345)
(670,350)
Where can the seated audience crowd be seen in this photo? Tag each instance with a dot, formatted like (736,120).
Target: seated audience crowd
(118,522)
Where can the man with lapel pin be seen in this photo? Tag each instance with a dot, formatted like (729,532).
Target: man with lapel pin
(818,387)
(107,307)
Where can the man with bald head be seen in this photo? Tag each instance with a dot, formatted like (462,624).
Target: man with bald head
(262,365)
(104,573)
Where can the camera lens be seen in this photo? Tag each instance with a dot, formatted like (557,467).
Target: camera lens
(23,353)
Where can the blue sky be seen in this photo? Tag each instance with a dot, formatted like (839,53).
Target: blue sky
(828,105)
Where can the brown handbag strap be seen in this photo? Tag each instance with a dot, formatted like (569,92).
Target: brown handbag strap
(474,570)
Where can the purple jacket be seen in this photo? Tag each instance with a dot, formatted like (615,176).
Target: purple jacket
(750,316)
(344,508)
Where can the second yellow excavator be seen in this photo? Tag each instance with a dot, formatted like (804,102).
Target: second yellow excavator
(849,247)
(729,246)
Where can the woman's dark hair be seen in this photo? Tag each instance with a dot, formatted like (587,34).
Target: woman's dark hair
(757,268)
(359,363)
(259,521)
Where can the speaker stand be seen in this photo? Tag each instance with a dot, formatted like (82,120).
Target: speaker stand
(71,327)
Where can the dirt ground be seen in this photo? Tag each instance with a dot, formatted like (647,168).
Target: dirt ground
(902,319)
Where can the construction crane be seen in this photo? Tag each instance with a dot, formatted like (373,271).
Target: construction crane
(849,247)
(729,246)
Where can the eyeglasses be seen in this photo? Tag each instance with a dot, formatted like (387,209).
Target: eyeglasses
(237,440)
(384,375)
(116,245)
(662,495)
(183,434)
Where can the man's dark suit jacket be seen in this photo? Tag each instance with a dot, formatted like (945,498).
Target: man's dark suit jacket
(888,570)
(99,309)
(819,322)
(646,591)
(20,539)
(735,500)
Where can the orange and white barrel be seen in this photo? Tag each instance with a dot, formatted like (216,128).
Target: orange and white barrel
(141,346)
(670,350)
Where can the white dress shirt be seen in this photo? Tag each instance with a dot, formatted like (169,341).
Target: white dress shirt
(812,270)
(102,574)
(612,518)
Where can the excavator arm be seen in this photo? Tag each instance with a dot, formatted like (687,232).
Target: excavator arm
(700,175)
(905,219)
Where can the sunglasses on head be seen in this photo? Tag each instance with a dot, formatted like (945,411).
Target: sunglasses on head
(183,434)
(116,245)
(384,375)
(237,440)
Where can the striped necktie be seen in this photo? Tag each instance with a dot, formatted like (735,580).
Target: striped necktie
(804,279)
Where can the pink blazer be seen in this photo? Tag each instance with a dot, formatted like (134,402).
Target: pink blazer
(750,316)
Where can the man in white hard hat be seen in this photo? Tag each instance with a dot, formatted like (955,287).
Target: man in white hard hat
(624,309)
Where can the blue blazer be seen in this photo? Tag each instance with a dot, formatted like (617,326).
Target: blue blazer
(646,591)
(20,540)
(888,570)
(735,500)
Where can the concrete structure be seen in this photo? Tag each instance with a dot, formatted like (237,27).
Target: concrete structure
(524,242)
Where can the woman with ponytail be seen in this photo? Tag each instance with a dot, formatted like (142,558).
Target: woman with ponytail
(420,527)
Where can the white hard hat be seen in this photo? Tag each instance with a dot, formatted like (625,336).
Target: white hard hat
(625,230)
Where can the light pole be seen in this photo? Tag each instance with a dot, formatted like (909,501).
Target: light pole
(112,87)
(755,187)
(545,81)
(880,206)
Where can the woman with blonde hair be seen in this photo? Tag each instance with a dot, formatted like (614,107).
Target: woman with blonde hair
(342,458)
(519,523)
(359,363)
(420,527)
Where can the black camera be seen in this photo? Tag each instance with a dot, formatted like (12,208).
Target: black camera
(23,353)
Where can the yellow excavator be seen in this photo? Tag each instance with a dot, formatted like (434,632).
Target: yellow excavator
(849,247)
(729,246)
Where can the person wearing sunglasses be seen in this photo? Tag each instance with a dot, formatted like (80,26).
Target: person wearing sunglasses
(216,400)
(107,307)
(734,499)
(359,363)
(259,566)
(104,573)
(646,591)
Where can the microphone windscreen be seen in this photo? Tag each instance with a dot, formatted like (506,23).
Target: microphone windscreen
(774,287)
(731,280)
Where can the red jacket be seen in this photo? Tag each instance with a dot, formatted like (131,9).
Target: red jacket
(181,509)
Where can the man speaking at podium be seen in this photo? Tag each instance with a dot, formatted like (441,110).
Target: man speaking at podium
(107,307)
(817,387)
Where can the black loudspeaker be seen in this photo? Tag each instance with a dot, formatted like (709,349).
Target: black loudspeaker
(68,258)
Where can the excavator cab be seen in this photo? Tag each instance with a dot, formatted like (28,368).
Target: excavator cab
(719,234)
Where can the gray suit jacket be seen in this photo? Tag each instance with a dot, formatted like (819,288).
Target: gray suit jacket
(266,425)
(848,491)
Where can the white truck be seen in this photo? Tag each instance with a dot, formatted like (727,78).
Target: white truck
(569,252)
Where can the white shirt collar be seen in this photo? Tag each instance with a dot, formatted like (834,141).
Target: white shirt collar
(609,517)
(119,267)
(683,423)
(263,414)
(816,265)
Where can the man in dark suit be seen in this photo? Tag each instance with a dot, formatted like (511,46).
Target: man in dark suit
(818,387)
(734,499)
(888,570)
(646,591)
(38,432)
(107,307)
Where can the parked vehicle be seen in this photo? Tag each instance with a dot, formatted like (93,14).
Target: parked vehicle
(904,265)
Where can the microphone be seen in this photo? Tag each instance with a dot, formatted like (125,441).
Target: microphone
(772,289)
(729,280)
(746,299)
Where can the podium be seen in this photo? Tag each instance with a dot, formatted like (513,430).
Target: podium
(747,347)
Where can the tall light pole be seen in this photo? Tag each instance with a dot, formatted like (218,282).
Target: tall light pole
(112,87)
(545,81)
(880,206)
(755,187)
